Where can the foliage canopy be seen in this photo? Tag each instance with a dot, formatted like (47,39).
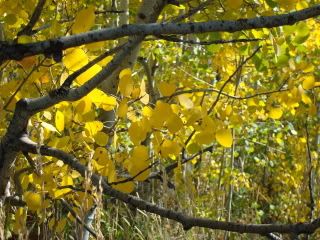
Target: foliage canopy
(205,108)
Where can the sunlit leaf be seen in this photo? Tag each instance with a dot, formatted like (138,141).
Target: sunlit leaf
(167,89)
(59,121)
(275,113)
(125,82)
(84,20)
(224,137)
(308,82)
(33,200)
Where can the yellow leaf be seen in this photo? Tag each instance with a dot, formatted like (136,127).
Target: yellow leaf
(84,20)
(275,113)
(135,92)
(185,101)
(101,155)
(66,181)
(83,106)
(170,148)
(306,99)
(101,138)
(147,111)
(59,121)
(233,4)
(126,187)
(105,61)
(125,73)
(174,123)
(308,82)
(205,137)
(125,82)
(167,89)
(102,100)
(58,193)
(123,109)
(140,156)
(33,200)
(160,114)
(87,75)
(224,137)
(93,127)
(287,4)
(75,59)
(137,133)
(139,162)
(144,96)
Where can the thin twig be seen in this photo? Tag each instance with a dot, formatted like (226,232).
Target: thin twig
(27,30)
(171,38)
(231,77)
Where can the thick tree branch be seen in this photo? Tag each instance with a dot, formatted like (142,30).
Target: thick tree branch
(19,51)
(187,221)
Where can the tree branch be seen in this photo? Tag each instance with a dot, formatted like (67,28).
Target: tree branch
(19,51)
(187,221)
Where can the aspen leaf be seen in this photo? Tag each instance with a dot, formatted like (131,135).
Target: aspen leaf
(125,82)
(147,111)
(83,106)
(224,137)
(101,138)
(137,133)
(101,155)
(87,75)
(204,137)
(135,92)
(185,101)
(167,89)
(144,96)
(84,20)
(93,127)
(59,121)
(160,114)
(169,148)
(58,193)
(275,113)
(126,187)
(233,4)
(193,148)
(102,100)
(75,59)
(123,109)
(308,82)
(139,156)
(174,123)
(306,99)
(33,200)
(139,162)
